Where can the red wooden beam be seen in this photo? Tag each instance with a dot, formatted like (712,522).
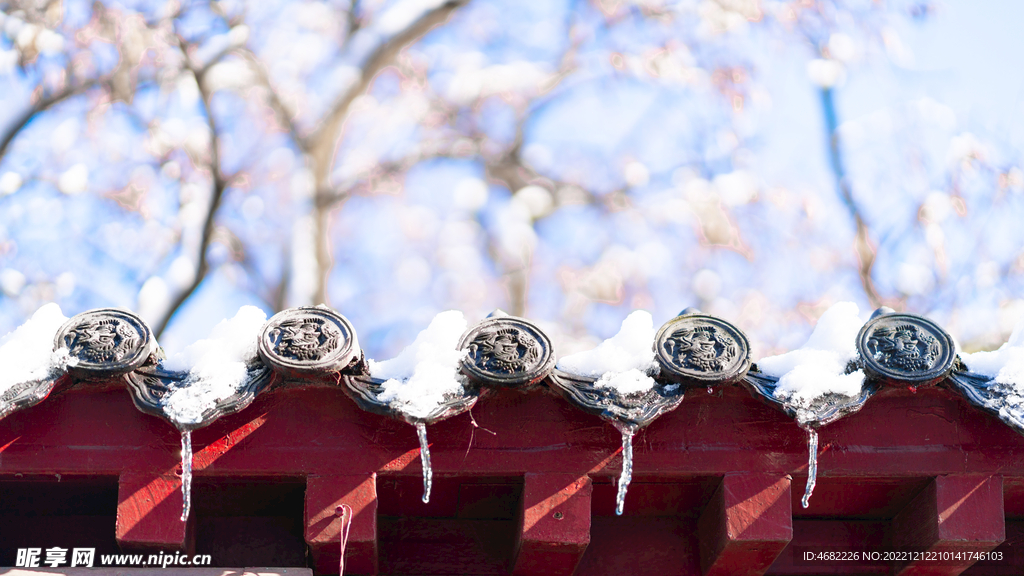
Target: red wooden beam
(324,494)
(149,509)
(554,524)
(320,431)
(952,515)
(824,535)
(748,522)
(1008,558)
(873,463)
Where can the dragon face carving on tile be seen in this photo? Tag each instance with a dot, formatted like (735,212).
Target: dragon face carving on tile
(698,349)
(905,347)
(308,341)
(102,340)
(105,342)
(703,348)
(506,351)
(307,338)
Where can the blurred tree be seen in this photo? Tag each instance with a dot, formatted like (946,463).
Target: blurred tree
(565,160)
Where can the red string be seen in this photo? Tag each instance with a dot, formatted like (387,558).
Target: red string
(346,513)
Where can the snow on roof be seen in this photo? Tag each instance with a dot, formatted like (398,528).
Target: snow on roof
(624,361)
(27,353)
(216,366)
(1006,364)
(427,372)
(819,366)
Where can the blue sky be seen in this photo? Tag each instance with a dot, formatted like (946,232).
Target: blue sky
(401,254)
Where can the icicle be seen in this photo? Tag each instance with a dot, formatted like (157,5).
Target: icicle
(186,473)
(812,465)
(626,477)
(428,473)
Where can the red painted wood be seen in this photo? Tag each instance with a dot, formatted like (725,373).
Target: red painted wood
(872,465)
(953,514)
(748,522)
(448,546)
(554,524)
(856,498)
(149,514)
(833,535)
(468,527)
(656,496)
(319,431)
(641,546)
(1008,559)
(324,494)
(1013,498)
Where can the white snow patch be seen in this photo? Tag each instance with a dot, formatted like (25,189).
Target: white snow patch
(27,353)
(623,361)
(231,74)
(154,299)
(818,368)
(215,366)
(425,372)
(473,81)
(631,381)
(736,188)
(1006,364)
(470,194)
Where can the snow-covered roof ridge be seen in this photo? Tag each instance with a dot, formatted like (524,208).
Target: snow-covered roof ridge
(842,356)
(625,362)
(27,353)
(629,379)
(1005,364)
(994,380)
(214,369)
(847,359)
(426,373)
(640,373)
(820,366)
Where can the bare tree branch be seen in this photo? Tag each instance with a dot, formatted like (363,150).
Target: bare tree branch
(284,115)
(323,142)
(353,21)
(216,195)
(863,245)
(42,105)
(38,11)
(324,139)
(281,290)
(507,168)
